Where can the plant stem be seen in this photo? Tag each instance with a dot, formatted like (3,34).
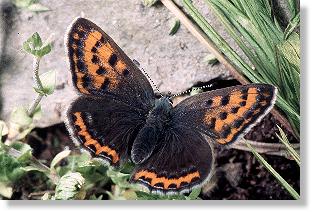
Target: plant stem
(39,86)
(36,73)
(34,105)
(266,148)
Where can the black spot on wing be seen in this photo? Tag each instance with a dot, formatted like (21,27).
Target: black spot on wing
(86,81)
(209,102)
(225,100)
(112,60)
(101,71)
(226,130)
(105,84)
(172,186)
(234,109)
(212,123)
(94,50)
(159,185)
(243,103)
(223,115)
(237,123)
(79,53)
(95,59)
(81,65)
(125,72)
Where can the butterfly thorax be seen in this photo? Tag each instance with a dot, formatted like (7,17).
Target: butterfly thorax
(148,137)
(160,112)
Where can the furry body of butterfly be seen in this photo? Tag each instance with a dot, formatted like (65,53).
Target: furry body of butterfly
(157,122)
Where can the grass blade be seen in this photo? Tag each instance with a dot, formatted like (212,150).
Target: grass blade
(279,178)
(283,138)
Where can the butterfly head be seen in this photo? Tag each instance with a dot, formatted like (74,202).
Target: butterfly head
(163,105)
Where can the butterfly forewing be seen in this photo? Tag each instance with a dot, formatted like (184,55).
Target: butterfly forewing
(115,95)
(100,67)
(226,114)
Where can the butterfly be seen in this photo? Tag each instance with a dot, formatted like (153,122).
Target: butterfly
(117,118)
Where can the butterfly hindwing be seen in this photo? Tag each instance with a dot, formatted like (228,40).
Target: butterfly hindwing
(182,161)
(226,114)
(100,67)
(105,127)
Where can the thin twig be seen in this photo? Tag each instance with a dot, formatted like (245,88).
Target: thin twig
(277,149)
(198,33)
(40,193)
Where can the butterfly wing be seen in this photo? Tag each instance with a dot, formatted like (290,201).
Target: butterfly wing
(99,67)
(182,161)
(105,127)
(226,114)
(115,95)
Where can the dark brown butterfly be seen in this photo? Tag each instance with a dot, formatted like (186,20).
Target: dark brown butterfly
(117,117)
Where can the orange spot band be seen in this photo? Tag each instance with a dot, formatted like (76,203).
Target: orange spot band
(90,141)
(166,182)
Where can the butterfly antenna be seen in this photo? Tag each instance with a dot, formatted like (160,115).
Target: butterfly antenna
(148,77)
(190,90)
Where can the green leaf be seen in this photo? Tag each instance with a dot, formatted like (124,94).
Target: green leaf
(20,117)
(175,27)
(38,8)
(293,24)
(22,3)
(279,178)
(10,168)
(93,171)
(34,46)
(194,194)
(20,123)
(119,178)
(149,3)
(33,43)
(196,90)
(44,50)
(31,5)
(48,80)
(93,197)
(60,156)
(210,59)
(24,149)
(70,187)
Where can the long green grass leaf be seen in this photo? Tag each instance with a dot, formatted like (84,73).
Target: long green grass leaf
(283,138)
(279,178)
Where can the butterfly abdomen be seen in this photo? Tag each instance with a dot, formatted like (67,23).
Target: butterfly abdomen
(149,136)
